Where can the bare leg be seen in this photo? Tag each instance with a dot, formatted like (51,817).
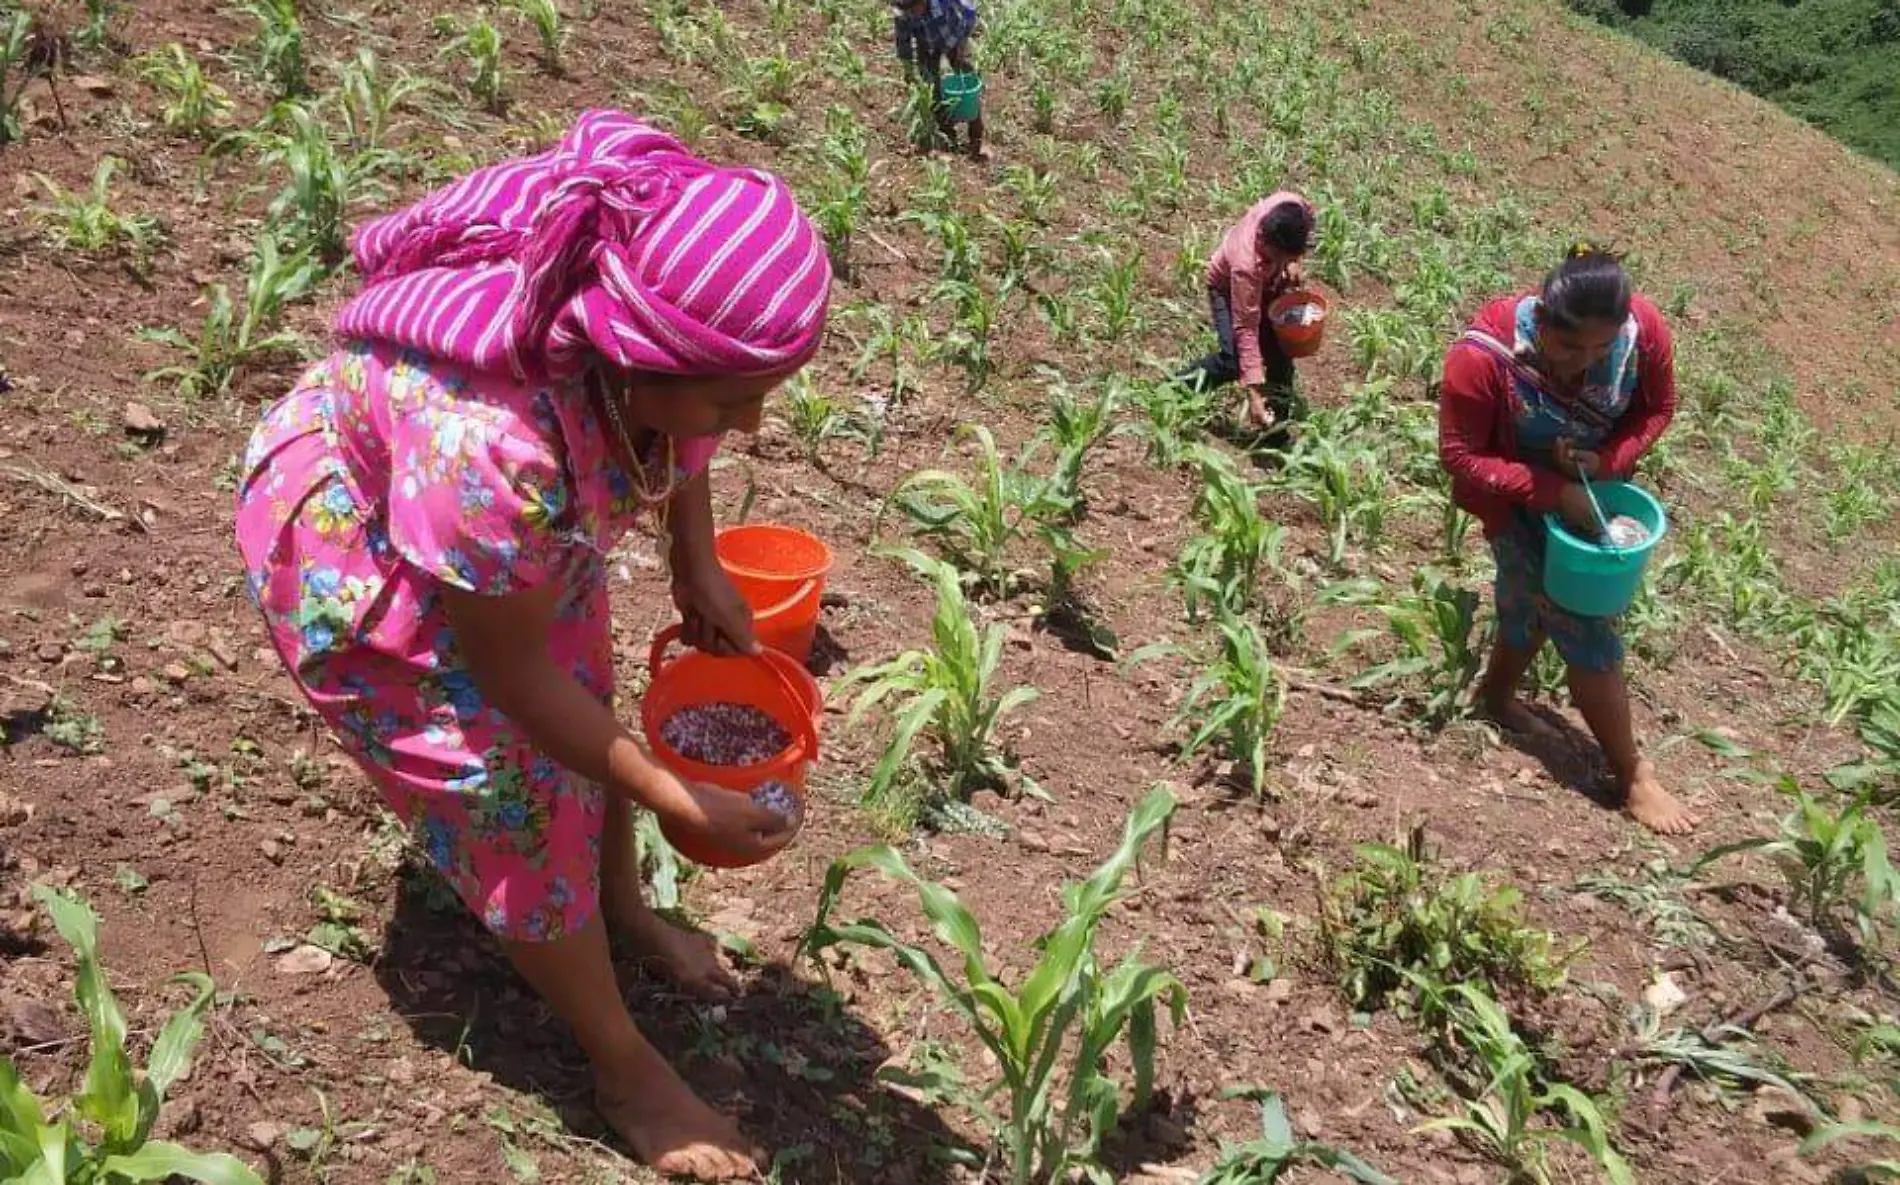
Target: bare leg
(1498,691)
(687,957)
(1603,699)
(637,1092)
(977,151)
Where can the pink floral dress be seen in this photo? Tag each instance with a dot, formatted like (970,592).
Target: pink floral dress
(383,476)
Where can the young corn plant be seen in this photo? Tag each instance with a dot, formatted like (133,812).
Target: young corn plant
(1177,417)
(1441,646)
(1115,295)
(1221,565)
(230,340)
(1347,481)
(115,1101)
(1719,1057)
(1398,919)
(1867,1170)
(968,342)
(312,209)
(1052,1035)
(545,18)
(86,222)
(1516,1117)
(96,34)
(194,105)
(1278,1151)
(1076,427)
(1237,700)
(16,70)
(977,525)
(280,45)
(815,420)
(1833,862)
(948,695)
(478,43)
(368,96)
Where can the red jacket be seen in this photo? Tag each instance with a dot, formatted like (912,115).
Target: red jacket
(1477,438)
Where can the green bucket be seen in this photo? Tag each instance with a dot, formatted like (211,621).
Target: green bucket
(1594,579)
(962,97)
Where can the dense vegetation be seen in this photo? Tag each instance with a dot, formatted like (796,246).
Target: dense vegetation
(1834,63)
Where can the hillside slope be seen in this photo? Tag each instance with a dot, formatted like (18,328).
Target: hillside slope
(157,759)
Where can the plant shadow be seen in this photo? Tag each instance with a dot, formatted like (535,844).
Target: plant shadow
(786,1057)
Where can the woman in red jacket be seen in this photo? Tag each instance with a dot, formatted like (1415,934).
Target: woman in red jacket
(1576,380)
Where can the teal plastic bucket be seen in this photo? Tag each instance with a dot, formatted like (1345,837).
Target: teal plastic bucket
(962,97)
(1594,579)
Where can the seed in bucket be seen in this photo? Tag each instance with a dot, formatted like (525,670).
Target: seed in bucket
(777,797)
(1627,532)
(1299,314)
(724,734)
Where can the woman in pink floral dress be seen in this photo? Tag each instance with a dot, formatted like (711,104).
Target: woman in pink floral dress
(541,352)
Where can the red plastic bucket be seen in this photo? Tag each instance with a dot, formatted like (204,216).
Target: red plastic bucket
(772,682)
(1299,341)
(780,571)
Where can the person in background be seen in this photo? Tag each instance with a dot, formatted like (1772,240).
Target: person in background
(930,33)
(1258,259)
(1577,380)
(542,353)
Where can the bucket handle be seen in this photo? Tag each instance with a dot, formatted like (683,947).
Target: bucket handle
(798,595)
(805,732)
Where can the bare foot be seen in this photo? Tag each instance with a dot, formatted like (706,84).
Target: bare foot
(671,1129)
(1655,808)
(688,959)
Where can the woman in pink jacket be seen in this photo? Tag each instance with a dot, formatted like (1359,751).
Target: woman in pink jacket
(1258,259)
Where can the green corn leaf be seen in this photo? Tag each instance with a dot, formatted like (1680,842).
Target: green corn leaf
(107,1097)
(171,1053)
(917,715)
(22,1123)
(160,1161)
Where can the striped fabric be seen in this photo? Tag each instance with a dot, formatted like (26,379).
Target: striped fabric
(617,243)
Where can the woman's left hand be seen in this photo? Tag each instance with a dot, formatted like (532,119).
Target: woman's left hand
(715,617)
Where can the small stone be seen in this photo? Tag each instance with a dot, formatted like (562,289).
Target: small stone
(51,652)
(142,686)
(263,1135)
(273,851)
(187,633)
(305,960)
(1279,991)
(1663,996)
(93,589)
(1310,1123)
(139,420)
(1319,1021)
(92,84)
(220,648)
(175,673)
(35,1021)
(1031,841)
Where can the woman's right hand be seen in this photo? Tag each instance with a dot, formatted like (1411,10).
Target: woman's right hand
(1578,512)
(725,819)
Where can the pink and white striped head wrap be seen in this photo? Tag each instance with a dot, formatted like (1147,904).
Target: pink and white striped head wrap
(619,243)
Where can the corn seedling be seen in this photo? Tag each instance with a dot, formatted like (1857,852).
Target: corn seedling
(1113,94)
(1348,483)
(115,1101)
(1867,1170)
(86,222)
(1035,190)
(1114,294)
(1178,415)
(1221,565)
(280,45)
(1398,915)
(229,341)
(1075,428)
(545,18)
(978,524)
(15,71)
(961,258)
(1044,106)
(312,208)
(96,33)
(478,42)
(815,419)
(948,695)
(902,344)
(1237,700)
(368,96)
(1511,1119)
(1440,643)
(968,342)
(1052,1036)
(194,105)
(1278,1151)
(1833,862)
(1720,1057)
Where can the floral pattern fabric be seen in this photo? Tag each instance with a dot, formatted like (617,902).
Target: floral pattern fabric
(382,477)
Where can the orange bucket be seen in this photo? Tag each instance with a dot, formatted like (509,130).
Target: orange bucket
(1299,341)
(780,571)
(771,682)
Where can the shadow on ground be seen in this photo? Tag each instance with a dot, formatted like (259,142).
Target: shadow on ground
(787,1057)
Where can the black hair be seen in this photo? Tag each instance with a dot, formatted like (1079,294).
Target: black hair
(1589,287)
(1289,227)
